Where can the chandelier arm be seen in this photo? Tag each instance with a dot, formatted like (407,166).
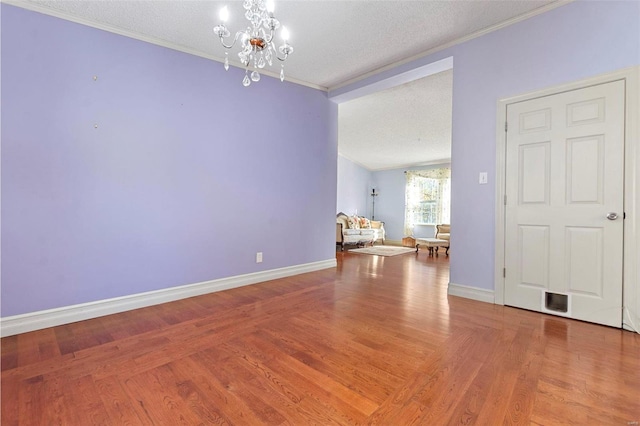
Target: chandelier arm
(282,59)
(269,38)
(235,39)
(287,50)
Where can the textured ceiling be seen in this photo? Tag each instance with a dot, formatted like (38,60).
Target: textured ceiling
(399,127)
(335,42)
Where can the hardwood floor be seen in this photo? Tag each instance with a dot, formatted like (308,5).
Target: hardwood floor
(375,341)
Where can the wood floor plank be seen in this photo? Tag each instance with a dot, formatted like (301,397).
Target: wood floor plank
(521,403)
(159,399)
(9,350)
(32,394)
(397,358)
(426,382)
(29,347)
(354,354)
(292,400)
(452,378)
(269,407)
(119,406)
(626,402)
(10,390)
(340,400)
(333,364)
(211,402)
(374,341)
(218,398)
(87,406)
(491,388)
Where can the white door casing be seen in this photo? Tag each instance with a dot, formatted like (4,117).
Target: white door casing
(564,174)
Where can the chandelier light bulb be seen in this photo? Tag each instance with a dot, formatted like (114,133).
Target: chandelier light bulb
(224,14)
(285,33)
(270,6)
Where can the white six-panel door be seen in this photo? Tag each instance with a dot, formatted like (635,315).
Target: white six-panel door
(564,176)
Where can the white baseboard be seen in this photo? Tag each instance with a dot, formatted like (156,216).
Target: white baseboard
(474,293)
(52,317)
(630,320)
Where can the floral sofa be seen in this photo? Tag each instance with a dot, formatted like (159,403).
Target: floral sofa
(358,230)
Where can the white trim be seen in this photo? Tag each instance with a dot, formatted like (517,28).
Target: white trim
(631,272)
(630,321)
(474,293)
(455,42)
(34,7)
(357,163)
(499,259)
(62,15)
(442,162)
(52,317)
(394,80)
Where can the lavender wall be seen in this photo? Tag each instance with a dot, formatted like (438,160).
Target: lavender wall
(390,202)
(575,41)
(354,187)
(186,177)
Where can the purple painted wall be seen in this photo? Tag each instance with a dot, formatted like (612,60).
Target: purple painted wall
(575,41)
(354,187)
(186,177)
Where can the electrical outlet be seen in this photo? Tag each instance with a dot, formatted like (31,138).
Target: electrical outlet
(259,257)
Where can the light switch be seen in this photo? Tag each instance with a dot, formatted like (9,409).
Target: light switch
(483,178)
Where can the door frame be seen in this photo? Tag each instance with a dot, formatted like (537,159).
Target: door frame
(631,233)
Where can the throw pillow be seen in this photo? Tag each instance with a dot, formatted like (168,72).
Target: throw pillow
(365,223)
(354,223)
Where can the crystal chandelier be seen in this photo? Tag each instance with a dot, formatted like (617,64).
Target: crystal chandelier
(256,42)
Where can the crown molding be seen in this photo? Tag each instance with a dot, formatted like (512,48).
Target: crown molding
(480,33)
(152,40)
(357,163)
(62,15)
(443,161)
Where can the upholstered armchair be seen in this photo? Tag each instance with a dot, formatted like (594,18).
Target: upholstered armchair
(443,232)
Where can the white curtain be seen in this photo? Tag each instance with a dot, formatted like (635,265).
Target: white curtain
(427,198)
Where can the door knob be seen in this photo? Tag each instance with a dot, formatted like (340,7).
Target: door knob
(612,216)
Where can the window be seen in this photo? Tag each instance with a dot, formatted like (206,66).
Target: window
(427,198)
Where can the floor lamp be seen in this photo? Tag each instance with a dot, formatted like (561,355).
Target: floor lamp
(374,194)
